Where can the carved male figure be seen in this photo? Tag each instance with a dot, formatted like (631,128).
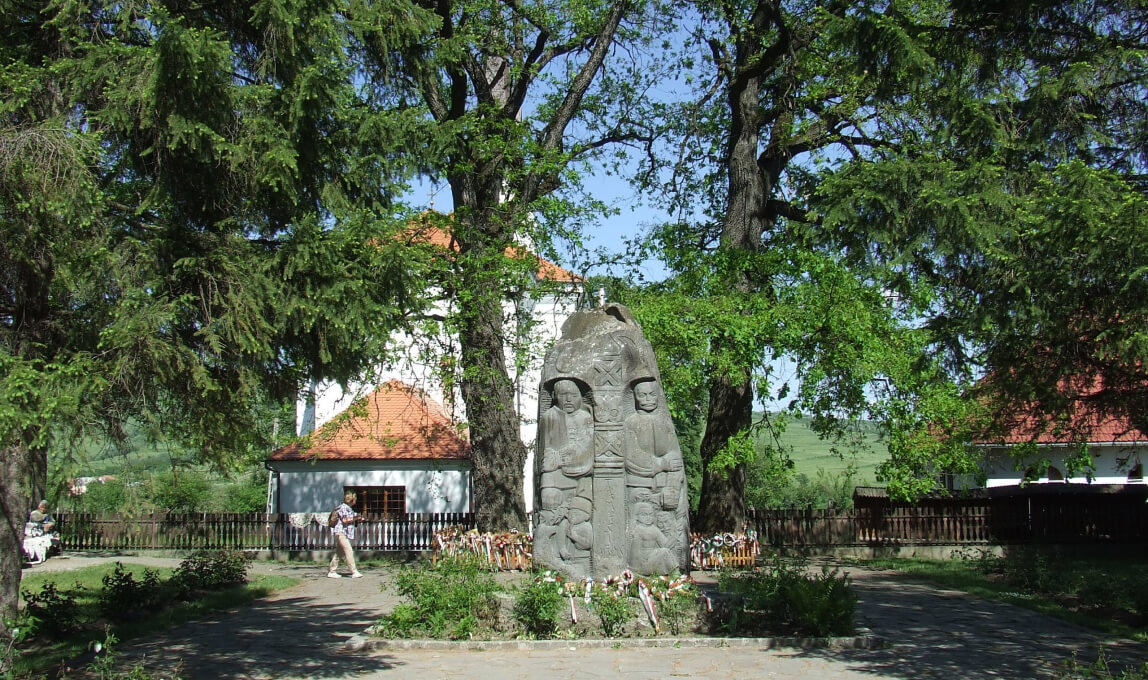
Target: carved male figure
(653,461)
(567,432)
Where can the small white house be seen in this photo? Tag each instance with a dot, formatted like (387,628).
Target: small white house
(396,448)
(533,315)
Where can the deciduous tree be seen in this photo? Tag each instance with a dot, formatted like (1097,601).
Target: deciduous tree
(510,92)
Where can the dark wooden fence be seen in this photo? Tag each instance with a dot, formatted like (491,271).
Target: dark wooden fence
(256,531)
(1005,520)
(1016,519)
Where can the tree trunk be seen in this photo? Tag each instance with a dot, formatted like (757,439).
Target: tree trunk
(498,455)
(721,507)
(14,501)
(497,452)
(722,503)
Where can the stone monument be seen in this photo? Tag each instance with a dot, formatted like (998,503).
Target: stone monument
(610,490)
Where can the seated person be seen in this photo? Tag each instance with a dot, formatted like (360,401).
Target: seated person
(41,518)
(39,537)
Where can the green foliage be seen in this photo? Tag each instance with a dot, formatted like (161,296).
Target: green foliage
(107,666)
(678,615)
(190,232)
(614,610)
(453,599)
(784,596)
(180,491)
(112,496)
(537,607)
(248,493)
(211,570)
(15,634)
(36,654)
(785,490)
(123,597)
(52,612)
(1100,669)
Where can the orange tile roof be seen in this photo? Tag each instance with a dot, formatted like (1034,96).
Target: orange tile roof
(395,422)
(1093,427)
(547,270)
(1086,423)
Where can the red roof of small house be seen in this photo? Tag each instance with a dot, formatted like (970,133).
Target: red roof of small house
(1090,426)
(1087,422)
(547,270)
(395,422)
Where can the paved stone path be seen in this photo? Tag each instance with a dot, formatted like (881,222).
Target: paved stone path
(304,631)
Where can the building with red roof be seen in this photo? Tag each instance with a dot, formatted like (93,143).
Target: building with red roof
(396,447)
(400,440)
(1039,448)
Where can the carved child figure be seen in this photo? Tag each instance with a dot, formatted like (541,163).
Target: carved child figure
(650,549)
(579,534)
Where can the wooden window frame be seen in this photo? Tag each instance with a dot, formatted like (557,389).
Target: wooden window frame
(380,501)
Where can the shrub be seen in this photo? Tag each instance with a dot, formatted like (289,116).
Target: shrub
(180,491)
(677,614)
(1101,669)
(784,598)
(613,610)
(124,597)
(53,612)
(16,632)
(818,605)
(106,665)
(1032,570)
(106,497)
(452,599)
(245,494)
(211,570)
(537,607)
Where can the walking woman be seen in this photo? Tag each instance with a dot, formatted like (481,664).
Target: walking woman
(344,531)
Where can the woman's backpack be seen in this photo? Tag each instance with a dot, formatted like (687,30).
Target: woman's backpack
(333,518)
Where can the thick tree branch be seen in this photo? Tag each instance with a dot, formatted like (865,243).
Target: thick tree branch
(552,134)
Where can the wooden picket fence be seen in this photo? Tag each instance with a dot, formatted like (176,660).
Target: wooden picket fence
(1008,520)
(253,531)
(1049,518)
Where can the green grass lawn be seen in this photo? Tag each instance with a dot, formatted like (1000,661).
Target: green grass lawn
(42,653)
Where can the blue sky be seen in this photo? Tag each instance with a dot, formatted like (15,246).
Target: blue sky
(634,217)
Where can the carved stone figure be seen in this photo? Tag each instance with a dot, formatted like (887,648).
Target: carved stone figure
(579,534)
(653,461)
(606,450)
(567,432)
(650,547)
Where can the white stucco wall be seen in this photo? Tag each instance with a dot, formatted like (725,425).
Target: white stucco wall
(1002,470)
(300,486)
(415,360)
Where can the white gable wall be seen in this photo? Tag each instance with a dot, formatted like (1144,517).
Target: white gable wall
(431,486)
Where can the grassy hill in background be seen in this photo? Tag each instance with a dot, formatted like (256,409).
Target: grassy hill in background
(810,453)
(136,455)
